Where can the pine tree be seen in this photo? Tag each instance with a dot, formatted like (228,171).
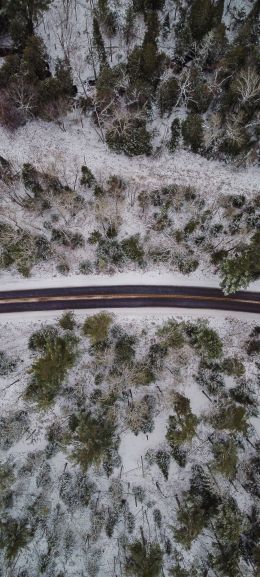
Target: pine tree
(144,560)
(98,42)
(129,25)
(168,95)
(225,453)
(35,60)
(28,11)
(191,521)
(192,132)
(204,15)
(227,529)
(238,271)
(175,135)
(163,462)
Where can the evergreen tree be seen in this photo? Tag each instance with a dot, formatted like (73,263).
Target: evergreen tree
(99,42)
(163,462)
(168,95)
(175,135)
(238,271)
(231,417)
(192,132)
(14,535)
(35,60)
(129,25)
(203,492)
(27,11)
(191,521)
(144,560)
(152,28)
(204,15)
(182,427)
(227,529)
(225,453)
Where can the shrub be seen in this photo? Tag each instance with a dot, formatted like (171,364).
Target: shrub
(94,436)
(87,178)
(206,340)
(124,349)
(7,364)
(132,249)
(21,249)
(140,415)
(192,132)
(63,267)
(10,116)
(129,135)
(233,366)
(97,327)
(187,264)
(85,267)
(40,340)
(63,237)
(143,374)
(67,321)
(171,335)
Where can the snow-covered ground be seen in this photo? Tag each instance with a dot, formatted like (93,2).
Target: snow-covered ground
(11,282)
(48,147)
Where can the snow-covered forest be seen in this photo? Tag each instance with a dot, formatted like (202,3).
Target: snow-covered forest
(129,151)
(129,446)
(129,137)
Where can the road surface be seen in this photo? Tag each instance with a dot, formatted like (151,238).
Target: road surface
(127,296)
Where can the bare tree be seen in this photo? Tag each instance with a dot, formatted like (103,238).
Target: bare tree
(247,85)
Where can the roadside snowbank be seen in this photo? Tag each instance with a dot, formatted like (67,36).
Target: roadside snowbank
(11,282)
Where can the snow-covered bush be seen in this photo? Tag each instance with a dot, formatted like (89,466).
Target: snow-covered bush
(7,364)
(129,135)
